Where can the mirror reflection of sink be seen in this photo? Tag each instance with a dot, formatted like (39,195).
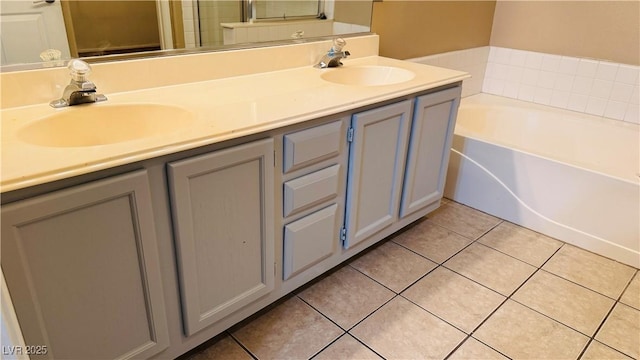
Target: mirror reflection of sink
(91,125)
(368,75)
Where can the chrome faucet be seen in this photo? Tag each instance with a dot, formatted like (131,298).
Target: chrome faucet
(334,55)
(80,90)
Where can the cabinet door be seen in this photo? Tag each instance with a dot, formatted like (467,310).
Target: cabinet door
(376,165)
(222,206)
(431,135)
(82,269)
(309,240)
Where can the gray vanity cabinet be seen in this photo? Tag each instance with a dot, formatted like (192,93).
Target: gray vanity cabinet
(222,207)
(376,166)
(82,268)
(431,135)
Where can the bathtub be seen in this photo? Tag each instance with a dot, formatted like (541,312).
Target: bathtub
(568,175)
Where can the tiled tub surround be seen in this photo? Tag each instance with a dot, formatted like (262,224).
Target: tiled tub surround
(600,88)
(459,284)
(595,87)
(473,61)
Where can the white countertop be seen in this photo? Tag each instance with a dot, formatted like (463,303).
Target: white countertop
(223,109)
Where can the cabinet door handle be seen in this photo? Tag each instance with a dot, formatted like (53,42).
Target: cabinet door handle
(36,2)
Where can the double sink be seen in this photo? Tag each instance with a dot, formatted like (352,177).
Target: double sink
(147,123)
(105,124)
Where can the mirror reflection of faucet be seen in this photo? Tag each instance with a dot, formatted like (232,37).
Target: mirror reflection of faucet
(80,90)
(334,56)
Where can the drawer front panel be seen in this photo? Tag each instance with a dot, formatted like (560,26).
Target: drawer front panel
(309,240)
(309,190)
(310,146)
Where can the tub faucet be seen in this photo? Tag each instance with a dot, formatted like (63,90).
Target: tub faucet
(334,55)
(80,90)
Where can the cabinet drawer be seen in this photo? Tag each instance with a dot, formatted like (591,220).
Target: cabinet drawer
(309,240)
(309,146)
(310,190)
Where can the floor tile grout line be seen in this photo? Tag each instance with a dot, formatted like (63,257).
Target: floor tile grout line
(378,282)
(581,285)
(603,344)
(613,307)
(592,338)
(467,339)
(371,313)
(585,286)
(255,357)
(615,304)
(507,299)
(465,236)
(560,322)
(637,274)
(528,263)
(321,313)
(346,330)
(365,345)
(443,262)
(436,315)
(475,281)
(326,346)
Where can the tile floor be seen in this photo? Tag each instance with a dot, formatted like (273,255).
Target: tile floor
(459,284)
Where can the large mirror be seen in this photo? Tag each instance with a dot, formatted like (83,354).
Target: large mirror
(48,32)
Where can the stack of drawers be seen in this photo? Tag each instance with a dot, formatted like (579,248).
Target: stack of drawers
(314,177)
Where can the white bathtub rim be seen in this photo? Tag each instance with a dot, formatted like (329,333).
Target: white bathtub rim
(488,100)
(633,179)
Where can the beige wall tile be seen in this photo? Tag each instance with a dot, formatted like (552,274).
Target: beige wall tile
(432,241)
(596,272)
(490,268)
(521,243)
(393,266)
(225,348)
(463,220)
(474,349)
(291,330)
(621,330)
(346,296)
(598,351)
(454,298)
(631,295)
(347,348)
(521,333)
(410,332)
(564,301)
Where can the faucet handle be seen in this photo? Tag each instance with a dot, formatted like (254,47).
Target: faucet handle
(80,70)
(338,44)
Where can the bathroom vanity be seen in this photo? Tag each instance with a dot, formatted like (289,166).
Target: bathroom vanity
(146,249)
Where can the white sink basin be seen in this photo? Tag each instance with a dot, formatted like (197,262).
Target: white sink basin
(367,75)
(93,125)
